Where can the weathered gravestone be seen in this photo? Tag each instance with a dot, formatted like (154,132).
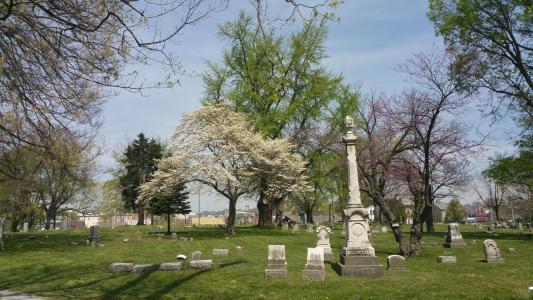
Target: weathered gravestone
(120,267)
(492,228)
(358,256)
(396,263)
(310,228)
(220,252)
(25,227)
(492,252)
(171,266)
(295,228)
(285,226)
(196,255)
(314,268)
(276,265)
(384,229)
(446,259)
(94,236)
(238,250)
(454,239)
(520,226)
(174,236)
(144,268)
(323,241)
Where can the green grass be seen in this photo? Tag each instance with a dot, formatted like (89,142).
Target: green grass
(47,264)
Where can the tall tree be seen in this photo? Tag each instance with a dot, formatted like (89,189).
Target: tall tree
(279,82)
(175,202)
(217,147)
(443,141)
(492,194)
(495,38)
(138,162)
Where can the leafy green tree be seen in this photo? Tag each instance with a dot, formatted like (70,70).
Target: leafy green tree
(138,163)
(283,86)
(173,203)
(455,212)
(495,39)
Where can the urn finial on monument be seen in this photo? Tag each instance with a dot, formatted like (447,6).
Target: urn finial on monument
(358,256)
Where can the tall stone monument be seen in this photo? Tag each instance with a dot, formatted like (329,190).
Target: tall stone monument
(454,239)
(323,241)
(358,256)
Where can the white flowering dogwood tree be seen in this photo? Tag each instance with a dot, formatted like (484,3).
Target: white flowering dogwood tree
(217,147)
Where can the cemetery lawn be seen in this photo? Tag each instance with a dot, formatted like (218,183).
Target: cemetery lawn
(51,265)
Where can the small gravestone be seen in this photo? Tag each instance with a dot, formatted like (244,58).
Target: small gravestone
(276,266)
(196,255)
(310,228)
(25,227)
(170,266)
(238,250)
(511,249)
(100,245)
(314,268)
(94,236)
(181,257)
(384,229)
(323,241)
(454,239)
(492,252)
(520,226)
(191,239)
(182,238)
(174,236)
(144,268)
(120,267)
(396,263)
(125,240)
(447,259)
(220,252)
(296,228)
(285,226)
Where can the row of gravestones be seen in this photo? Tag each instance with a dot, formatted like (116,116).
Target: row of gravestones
(196,262)
(454,239)
(296,227)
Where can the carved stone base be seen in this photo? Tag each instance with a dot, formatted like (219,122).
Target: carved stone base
(495,260)
(313,274)
(275,274)
(359,266)
(455,244)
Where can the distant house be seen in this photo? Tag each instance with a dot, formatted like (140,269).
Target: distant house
(409,206)
(439,212)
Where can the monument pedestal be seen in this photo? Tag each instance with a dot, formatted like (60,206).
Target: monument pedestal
(455,244)
(360,266)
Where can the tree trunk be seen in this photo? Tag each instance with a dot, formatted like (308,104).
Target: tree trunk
(428,214)
(140,220)
(230,227)
(309,216)
(416,236)
(48,221)
(384,210)
(497,212)
(265,213)
(168,223)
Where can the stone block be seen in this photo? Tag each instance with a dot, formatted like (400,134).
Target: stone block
(238,250)
(220,252)
(455,244)
(144,268)
(372,271)
(120,267)
(446,259)
(494,260)
(203,264)
(171,266)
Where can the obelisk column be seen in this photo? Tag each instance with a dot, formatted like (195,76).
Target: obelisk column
(358,256)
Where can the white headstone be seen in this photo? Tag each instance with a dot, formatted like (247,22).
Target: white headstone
(323,241)
(314,268)
(25,227)
(492,252)
(196,255)
(277,266)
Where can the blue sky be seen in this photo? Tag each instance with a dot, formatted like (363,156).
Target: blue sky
(366,46)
